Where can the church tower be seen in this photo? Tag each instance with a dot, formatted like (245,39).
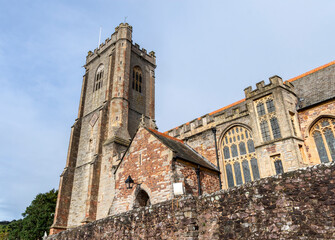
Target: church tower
(118,88)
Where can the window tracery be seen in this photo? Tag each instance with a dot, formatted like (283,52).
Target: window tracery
(137,79)
(278,164)
(323,133)
(267,117)
(239,155)
(98,78)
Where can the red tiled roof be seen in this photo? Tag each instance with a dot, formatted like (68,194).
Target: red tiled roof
(165,135)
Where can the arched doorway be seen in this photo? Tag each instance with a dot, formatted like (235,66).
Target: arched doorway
(142,199)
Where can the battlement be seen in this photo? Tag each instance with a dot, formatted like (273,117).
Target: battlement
(102,47)
(261,87)
(110,42)
(151,57)
(232,111)
(126,25)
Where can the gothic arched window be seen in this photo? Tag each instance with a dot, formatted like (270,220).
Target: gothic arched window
(137,79)
(240,163)
(98,78)
(323,133)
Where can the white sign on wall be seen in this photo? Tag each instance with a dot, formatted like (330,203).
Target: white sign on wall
(178,188)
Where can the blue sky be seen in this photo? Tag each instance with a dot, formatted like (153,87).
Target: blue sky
(207,53)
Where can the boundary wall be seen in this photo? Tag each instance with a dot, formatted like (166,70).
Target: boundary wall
(294,205)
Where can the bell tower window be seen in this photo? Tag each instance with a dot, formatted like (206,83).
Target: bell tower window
(98,78)
(137,79)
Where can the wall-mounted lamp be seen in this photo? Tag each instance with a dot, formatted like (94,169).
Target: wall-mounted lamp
(129,182)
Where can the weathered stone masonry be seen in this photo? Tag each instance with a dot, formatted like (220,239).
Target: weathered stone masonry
(278,127)
(294,205)
(155,162)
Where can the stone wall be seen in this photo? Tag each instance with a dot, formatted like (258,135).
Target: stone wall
(186,173)
(295,205)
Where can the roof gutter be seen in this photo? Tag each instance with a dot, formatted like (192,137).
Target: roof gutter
(198,177)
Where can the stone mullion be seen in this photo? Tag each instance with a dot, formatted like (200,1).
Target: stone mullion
(249,164)
(331,126)
(242,171)
(239,159)
(233,170)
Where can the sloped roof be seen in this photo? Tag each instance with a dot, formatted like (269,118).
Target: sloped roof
(290,80)
(311,71)
(182,150)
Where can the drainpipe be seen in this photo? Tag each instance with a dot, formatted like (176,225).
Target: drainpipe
(217,156)
(198,177)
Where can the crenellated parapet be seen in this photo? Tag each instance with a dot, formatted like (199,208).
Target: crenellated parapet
(231,112)
(109,42)
(261,87)
(150,57)
(123,31)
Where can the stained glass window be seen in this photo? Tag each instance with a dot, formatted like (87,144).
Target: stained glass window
(242,148)
(246,171)
(270,105)
(230,176)
(254,167)
(323,133)
(265,131)
(238,175)
(234,150)
(238,154)
(226,152)
(275,128)
(269,125)
(260,109)
(330,142)
(251,147)
(278,167)
(320,146)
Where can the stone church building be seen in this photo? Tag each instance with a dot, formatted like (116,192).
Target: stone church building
(118,161)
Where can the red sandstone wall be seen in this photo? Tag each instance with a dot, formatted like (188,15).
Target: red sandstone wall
(187,174)
(148,162)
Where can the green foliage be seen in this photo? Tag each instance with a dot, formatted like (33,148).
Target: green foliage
(15,229)
(37,218)
(4,232)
